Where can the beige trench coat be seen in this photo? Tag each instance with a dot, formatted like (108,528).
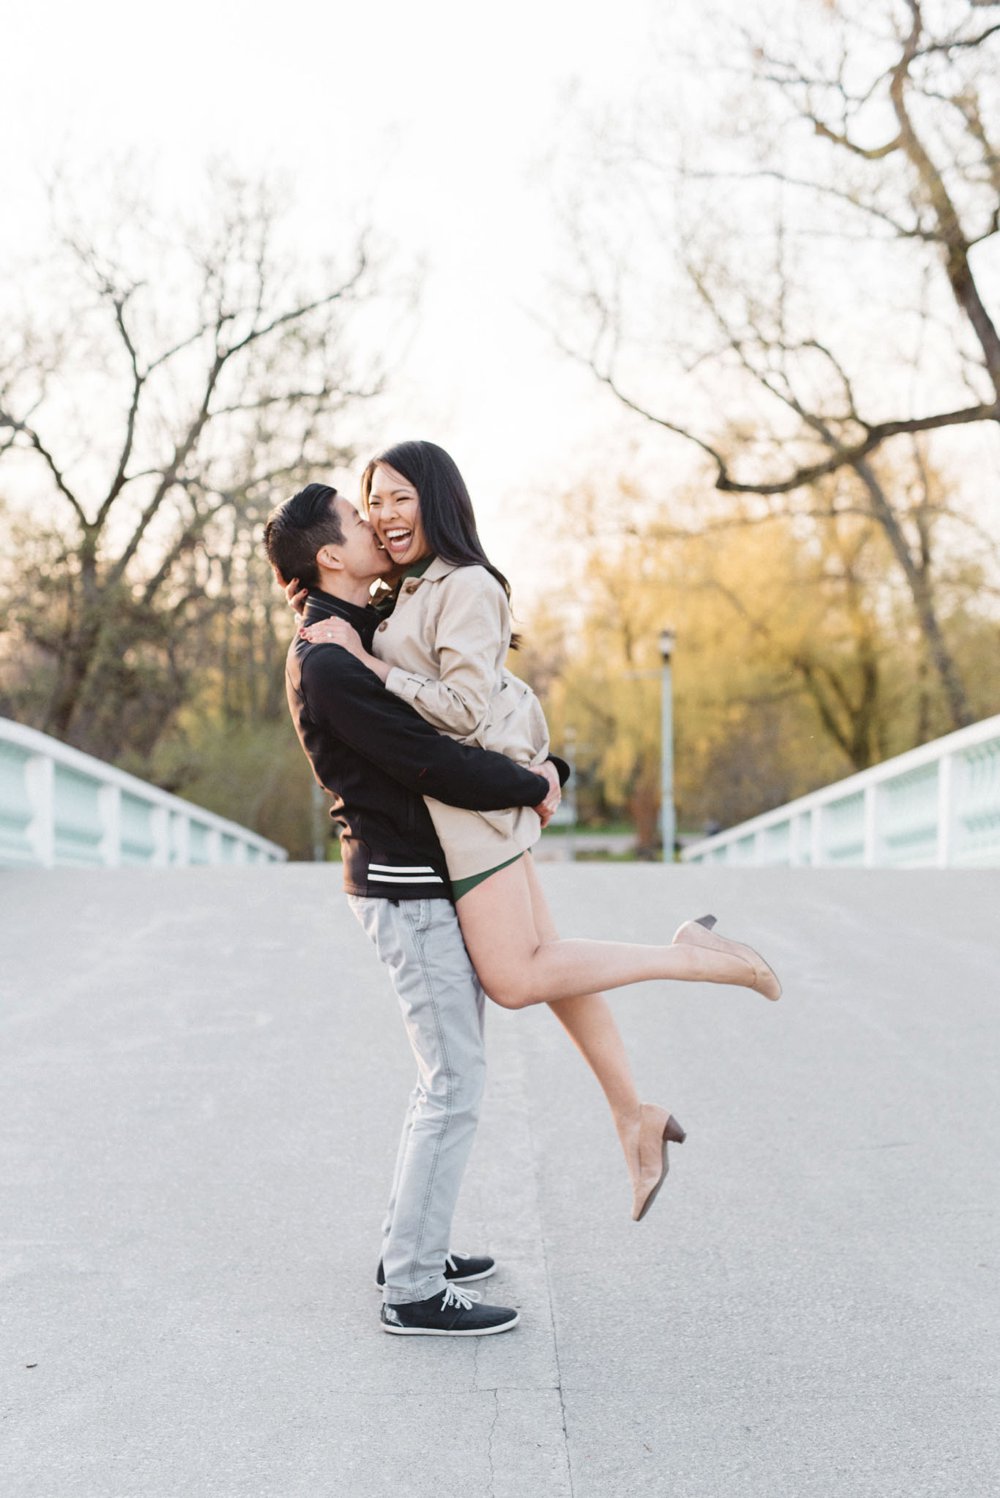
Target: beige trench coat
(446,641)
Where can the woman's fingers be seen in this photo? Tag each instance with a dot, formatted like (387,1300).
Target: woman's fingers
(332,632)
(326,631)
(296,595)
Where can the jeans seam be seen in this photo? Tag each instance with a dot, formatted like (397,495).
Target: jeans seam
(402,934)
(418,933)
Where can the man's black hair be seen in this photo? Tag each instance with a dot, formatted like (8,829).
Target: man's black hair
(298,529)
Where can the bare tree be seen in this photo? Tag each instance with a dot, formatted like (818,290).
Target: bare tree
(192,377)
(877,128)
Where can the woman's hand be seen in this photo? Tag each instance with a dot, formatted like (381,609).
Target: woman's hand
(296,595)
(335,631)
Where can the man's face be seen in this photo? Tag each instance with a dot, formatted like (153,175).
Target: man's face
(363,560)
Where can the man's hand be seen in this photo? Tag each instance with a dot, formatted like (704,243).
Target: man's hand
(546,809)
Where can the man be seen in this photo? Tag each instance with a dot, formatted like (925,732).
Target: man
(379,758)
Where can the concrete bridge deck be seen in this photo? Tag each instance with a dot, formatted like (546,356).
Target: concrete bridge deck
(203,1073)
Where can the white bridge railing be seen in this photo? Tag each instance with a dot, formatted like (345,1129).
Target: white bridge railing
(936,806)
(58,806)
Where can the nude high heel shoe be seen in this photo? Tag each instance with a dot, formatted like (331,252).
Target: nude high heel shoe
(699,933)
(657,1127)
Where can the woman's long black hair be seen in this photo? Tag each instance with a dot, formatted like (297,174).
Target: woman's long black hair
(446,512)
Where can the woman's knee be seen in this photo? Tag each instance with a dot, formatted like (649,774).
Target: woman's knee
(511,993)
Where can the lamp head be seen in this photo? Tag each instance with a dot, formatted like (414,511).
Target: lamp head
(667,639)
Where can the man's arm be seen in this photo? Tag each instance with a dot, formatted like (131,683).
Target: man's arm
(349,701)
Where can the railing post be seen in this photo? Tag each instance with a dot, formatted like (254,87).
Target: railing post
(870,855)
(109,802)
(160,821)
(40,781)
(180,840)
(817,837)
(945,811)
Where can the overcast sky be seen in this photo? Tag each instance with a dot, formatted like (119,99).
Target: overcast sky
(435,121)
(453,128)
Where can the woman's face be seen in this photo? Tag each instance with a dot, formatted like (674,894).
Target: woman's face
(394,511)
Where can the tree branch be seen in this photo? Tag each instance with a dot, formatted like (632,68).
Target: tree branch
(849,455)
(957,43)
(825,189)
(21,428)
(168,476)
(119,301)
(957,265)
(295,313)
(867,153)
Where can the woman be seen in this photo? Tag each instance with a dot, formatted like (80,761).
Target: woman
(443,649)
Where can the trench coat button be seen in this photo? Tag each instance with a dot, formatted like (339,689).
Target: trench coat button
(384,624)
(409,587)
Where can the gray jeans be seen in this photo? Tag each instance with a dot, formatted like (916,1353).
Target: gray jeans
(420,944)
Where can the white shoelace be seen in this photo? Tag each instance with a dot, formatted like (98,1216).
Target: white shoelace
(454,1295)
(450,1259)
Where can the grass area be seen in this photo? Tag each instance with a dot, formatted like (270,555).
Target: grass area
(596,829)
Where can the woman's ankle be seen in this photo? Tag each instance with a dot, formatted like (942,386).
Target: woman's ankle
(627,1118)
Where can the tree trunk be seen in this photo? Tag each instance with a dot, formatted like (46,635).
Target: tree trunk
(918,580)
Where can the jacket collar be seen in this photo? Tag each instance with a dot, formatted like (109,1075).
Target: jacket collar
(320,605)
(437,569)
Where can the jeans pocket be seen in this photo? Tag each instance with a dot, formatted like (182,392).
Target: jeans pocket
(418,914)
(366,915)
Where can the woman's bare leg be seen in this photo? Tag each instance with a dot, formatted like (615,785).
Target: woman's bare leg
(590,1024)
(518,965)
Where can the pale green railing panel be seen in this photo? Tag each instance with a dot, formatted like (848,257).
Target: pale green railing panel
(977,810)
(200,843)
(937,805)
(139,842)
(58,806)
(16,813)
(843,830)
(79,826)
(908,819)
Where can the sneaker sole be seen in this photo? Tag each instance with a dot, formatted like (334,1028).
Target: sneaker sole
(429,1331)
(467,1279)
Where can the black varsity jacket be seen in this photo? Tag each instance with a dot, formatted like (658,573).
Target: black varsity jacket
(378,758)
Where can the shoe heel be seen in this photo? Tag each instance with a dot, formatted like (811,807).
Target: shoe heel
(708,921)
(674,1132)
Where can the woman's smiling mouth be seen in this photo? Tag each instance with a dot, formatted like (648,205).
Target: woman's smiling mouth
(397,540)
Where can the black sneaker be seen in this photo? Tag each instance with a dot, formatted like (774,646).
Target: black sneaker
(456,1313)
(459,1269)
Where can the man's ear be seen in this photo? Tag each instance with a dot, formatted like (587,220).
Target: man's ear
(329,559)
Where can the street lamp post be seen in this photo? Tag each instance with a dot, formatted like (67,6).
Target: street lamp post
(668,826)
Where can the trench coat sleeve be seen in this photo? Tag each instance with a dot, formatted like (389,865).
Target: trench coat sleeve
(471,638)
